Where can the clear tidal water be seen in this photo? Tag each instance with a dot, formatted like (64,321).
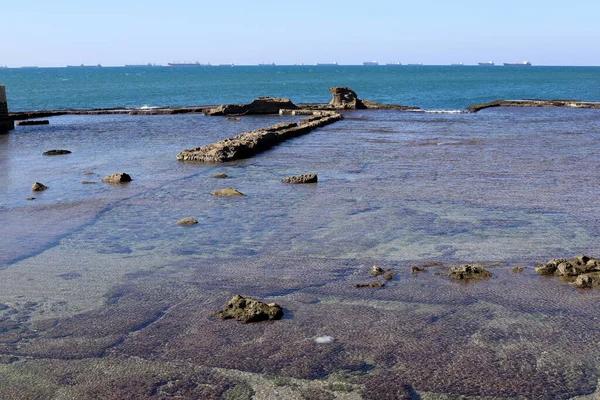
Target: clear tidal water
(98,276)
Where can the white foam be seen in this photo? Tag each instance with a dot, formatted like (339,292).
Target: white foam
(324,339)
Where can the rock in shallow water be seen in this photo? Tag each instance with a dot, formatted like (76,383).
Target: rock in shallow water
(469,272)
(226,192)
(305,178)
(56,152)
(247,310)
(187,222)
(38,187)
(121,177)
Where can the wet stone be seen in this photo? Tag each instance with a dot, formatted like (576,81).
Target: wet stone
(373,285)
(298,179)
(56,152)
(416,270)
(517,270)
(121,177)
(220,176)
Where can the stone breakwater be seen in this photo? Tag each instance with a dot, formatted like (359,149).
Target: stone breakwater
(248,144)
(534,103)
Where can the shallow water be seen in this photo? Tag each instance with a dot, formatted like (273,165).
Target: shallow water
(99,270)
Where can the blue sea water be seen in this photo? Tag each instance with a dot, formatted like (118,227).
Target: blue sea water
(428,87)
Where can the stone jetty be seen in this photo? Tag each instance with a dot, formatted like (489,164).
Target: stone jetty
(6,123)
(251,143)
(261,105)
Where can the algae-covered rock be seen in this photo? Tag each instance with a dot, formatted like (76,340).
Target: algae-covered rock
(226,192)
(469,272)
(247,310)
(573,267)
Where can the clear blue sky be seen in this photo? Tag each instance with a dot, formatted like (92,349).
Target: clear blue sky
(110,32)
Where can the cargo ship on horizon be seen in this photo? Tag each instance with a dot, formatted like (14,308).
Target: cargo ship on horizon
(487,64)
(333,64)
(370,63)
(84,66)
(188,64)
(518,64)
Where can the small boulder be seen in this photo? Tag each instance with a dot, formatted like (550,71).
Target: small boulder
(38,187)
(187,221)
(227,192)
(517,270)
(583,281)
(376,270)
(121,177)
(469,272)
(373,285)
(220,176)
(246,309)
(56,152)
(30,198)
(305,178)
(416,270)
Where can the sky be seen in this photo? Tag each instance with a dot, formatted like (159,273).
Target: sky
(111,32)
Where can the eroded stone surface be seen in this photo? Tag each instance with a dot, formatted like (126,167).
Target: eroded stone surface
(187,221)
(226,192)
(304,178)
(345,98)
(38,187)
(469,272)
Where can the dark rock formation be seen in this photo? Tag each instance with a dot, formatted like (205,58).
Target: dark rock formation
(6,123)
(121,177)
(469,272)
(305,178)
(582,271)
(247,310)
(187,222)
(34,122)
(345,98)
(416,270)
(533,103)
(55,152)
(373,285)
(250,143)
(261,105)
(88,182)
(38,187)
(227,192)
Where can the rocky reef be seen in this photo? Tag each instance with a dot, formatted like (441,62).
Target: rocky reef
(533,103)
(250,143)
(469,272)
(120,177)
(261,105)
(581,271)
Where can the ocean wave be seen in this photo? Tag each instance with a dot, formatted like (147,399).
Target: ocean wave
(439,111)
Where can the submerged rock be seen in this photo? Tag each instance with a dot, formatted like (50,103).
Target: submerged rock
(38,187)
(220,176)
(56,152)
(248,310)
(517,270)
(121,177)
(374,285)
(569,268)
(305,178)
(469,272)
(34,122)
(187,221)
(226,192)
(416,270)
(376,270)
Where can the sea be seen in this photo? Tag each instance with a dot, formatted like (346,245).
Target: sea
(103,295)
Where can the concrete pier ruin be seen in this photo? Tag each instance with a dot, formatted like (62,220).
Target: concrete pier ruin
(6,123)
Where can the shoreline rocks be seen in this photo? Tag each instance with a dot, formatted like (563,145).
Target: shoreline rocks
(250,143)
(581,271)
(121,177)
(248,310)
(345,98)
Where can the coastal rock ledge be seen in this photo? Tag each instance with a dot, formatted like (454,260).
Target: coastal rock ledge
(248,144)
(581,271)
